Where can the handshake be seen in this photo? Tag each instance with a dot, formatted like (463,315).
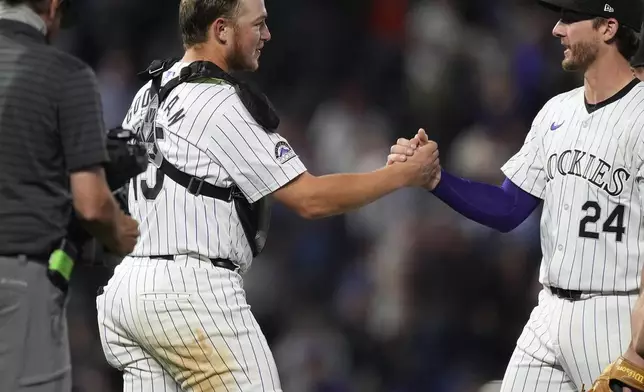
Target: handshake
(421,156)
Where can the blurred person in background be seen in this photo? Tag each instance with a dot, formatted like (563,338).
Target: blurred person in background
(578,159)
(52,152)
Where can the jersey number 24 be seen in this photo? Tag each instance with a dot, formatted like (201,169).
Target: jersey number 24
(614,223)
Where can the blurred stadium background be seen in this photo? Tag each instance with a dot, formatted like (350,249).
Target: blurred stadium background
(404,295)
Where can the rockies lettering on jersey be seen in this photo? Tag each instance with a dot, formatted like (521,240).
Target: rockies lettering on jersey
(203,129)
(570,162)
(587,168)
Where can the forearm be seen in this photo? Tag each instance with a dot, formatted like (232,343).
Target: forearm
(501,208)
(635,350)
(101,221)
(335,194)
(637,327)
(626,373)
(94,206)
(105,228)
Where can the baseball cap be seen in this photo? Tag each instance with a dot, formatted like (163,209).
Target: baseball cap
(627,12)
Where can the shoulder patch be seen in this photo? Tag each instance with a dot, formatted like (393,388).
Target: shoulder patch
(283,152)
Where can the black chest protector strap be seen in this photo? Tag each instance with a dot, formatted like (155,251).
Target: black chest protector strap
(252,216)
(194,185)
(257,104)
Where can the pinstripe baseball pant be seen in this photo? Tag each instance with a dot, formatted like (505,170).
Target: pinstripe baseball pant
(182,325)
(567,344)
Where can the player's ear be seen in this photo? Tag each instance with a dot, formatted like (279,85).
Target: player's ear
(221,30)
(609,29)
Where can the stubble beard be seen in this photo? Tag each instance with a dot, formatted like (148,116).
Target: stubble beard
(583,54)
(237,60)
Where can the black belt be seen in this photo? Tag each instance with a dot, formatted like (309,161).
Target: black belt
(572,295)
(575,295)
(221,263)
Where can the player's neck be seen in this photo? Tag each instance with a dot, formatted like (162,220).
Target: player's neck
(606,77)
(202,53)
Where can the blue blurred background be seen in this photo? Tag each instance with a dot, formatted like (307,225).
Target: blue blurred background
(403,295)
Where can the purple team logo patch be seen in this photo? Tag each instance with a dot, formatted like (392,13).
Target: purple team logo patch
(283,152)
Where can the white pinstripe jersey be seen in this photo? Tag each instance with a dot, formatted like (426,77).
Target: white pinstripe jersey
(587,168)
(206,132)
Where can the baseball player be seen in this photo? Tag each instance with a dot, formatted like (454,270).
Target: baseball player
(627,371)
(584,159)
(174,315)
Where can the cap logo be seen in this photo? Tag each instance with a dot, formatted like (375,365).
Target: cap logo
(608,8)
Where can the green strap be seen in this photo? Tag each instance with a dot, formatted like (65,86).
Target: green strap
(60,262)
(206,80)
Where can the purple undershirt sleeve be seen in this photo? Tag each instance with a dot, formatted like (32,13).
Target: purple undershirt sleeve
(501,208)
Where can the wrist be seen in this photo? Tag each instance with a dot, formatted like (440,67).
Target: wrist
(437,185)
(401,174)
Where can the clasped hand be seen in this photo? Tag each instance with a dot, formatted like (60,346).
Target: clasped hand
(404,149)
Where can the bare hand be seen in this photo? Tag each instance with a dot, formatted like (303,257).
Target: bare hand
(127,235)
(405,149)
(422,166)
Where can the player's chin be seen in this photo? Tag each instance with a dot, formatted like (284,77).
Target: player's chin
(249,65)
(569,65)
(253,64)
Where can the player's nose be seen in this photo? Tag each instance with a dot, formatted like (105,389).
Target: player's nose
(558,30)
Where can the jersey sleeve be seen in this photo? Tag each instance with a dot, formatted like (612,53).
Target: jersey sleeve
(137,109)
(258,162)
(526,168)
(80,116)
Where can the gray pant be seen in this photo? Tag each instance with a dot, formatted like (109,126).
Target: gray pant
(34,345)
